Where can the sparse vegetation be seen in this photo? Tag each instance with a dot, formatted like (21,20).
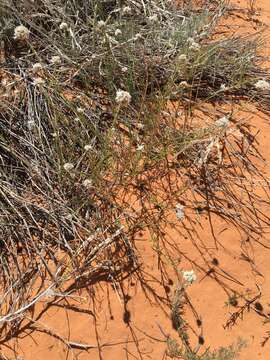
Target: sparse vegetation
(182,348)
(101,102)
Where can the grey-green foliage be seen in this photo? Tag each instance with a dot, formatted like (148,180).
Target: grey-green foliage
(223,353)
(182,348)
(231,352)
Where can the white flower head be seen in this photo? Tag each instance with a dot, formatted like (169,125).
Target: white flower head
(87,183)
(205,27)
(189,276)
(37,67)
(21,33)
(222,122)
(101,24)
(182,58)
(153,18)
(31,124)
(55,60)
(38,81)
(180,213)
(190,40)
(80,110)
(123,97)
(124,69)
(262,85)
(137,36)
(140,147)
(223,87)
(126,10)
(183,85)
(195,46)
(68,167)
(63,26)
(118,32)
(112,40)
(87,147)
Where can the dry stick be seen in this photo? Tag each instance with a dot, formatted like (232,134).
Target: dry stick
(17,313)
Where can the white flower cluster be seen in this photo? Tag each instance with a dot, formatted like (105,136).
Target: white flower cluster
(80,110)
(189,276)
(101,24)
(38,81)
(140,147)
(153,18)
(223,87)
(124,69)
(122,97)
(183,85)
(194,46)
(68,167)
(63,26)
(31,124)
(182,58)
(126,10)
(37,67)
(21,33)
(138,37)
(180,213)
(87,147)
(222,122)
(262,85)
(118,32)
(55,60)
(87,183)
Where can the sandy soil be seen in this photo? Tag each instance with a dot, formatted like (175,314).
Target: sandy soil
(126,321)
